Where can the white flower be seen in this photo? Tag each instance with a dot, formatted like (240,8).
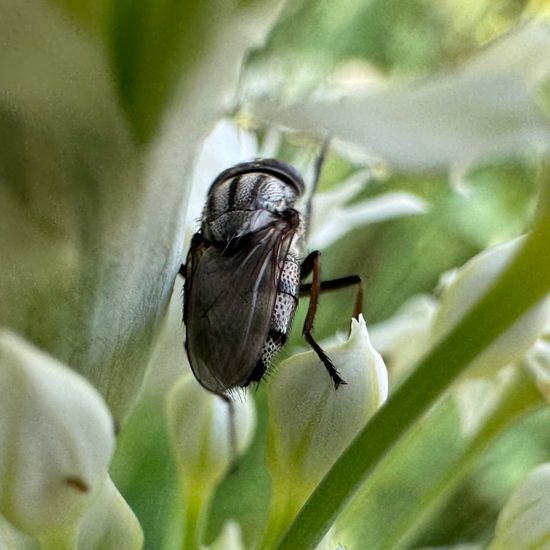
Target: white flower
(310,422)
(537,361)
(484,109)
(524,522)
(56,440)
(200,430)
(206,432)
(466,287)
(403,338)
(332,216)
(110,524)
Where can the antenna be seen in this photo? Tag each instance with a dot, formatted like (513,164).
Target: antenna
(318,167)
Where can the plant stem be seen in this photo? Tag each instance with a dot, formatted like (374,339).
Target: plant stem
(196,509)
(520,397)
(285,504)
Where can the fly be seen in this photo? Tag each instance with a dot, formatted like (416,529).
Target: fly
(244,275)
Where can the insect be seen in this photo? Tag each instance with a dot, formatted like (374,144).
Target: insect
(244,272)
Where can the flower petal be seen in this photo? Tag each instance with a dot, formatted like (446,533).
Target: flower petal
(524,522)
(310,422)
(109,524)
(466,286)
(200,430)
(484,109)
(56,439)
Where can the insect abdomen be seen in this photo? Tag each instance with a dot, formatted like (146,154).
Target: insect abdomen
(284,309)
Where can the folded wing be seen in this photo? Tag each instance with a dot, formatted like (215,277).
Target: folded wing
(229,298)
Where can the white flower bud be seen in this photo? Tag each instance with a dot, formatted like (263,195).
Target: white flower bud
(109,524)
(199,424)
(56,439)
(524,522)
(466,287)
(537,361)
(310,422)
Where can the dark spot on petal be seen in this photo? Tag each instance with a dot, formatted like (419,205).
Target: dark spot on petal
(77,483)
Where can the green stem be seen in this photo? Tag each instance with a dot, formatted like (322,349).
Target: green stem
(60,540)
(196,511)
(285,504)
(519,397)
(524,283)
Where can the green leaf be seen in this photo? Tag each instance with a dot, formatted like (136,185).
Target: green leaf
(158,47)
(152,44)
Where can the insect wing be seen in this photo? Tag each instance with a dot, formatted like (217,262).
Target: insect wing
(229,303)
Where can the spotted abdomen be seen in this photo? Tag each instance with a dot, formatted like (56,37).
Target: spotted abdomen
(286,299)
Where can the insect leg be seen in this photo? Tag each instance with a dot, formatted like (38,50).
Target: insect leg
(308,324)
(307,265)
(337,284)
